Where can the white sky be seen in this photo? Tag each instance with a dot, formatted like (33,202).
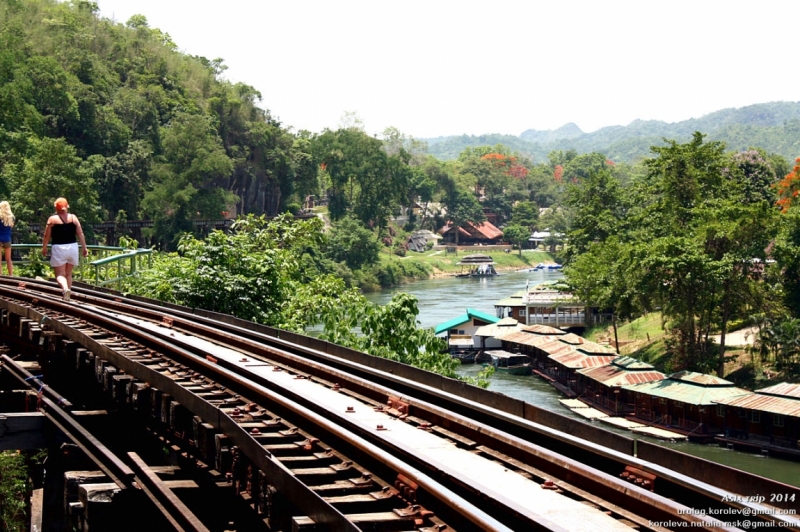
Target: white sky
(444,67)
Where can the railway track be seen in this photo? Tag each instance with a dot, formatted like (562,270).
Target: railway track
(320,442)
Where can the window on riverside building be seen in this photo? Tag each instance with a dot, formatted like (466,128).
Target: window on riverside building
(755,417)
(720,411)
(522,313)
(777,420)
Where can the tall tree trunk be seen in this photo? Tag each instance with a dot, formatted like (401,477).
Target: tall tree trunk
(616,337)
(723,332)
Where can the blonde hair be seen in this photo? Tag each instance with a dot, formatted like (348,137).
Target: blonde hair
(6,216)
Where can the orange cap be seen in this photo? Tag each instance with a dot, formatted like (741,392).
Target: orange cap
(61,204)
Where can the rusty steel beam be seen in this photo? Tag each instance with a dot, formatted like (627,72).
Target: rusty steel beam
(172,507)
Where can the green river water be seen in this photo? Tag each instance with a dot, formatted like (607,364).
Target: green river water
(446,298)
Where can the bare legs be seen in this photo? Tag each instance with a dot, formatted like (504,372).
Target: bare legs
(64,276)
(9,265)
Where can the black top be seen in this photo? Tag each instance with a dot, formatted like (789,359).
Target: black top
(64,233)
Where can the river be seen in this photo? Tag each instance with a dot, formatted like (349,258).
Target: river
(445,298)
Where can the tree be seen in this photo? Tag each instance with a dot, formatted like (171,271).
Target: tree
(193,159)
(390,331)
(526,214)
(352,243)
(49,169)
(365,181)
(250,272)
(462,207)
(597,209)
(517,235)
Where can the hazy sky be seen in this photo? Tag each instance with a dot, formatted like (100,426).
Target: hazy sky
(441,67)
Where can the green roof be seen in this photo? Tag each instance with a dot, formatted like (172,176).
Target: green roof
(691,392)
(464,318)
(512,301)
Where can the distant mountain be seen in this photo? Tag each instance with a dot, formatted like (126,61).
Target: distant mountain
(774,127)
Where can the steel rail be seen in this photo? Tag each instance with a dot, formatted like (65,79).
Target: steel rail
(248,339)
(683,480)
(658,506)
(119,472)
(116,469)
(239,435)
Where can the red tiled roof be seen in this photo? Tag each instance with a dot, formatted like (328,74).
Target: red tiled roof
(485,229)
(488,230)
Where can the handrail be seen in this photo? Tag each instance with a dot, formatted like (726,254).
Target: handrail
(102,265)
(132,256)
(113,258)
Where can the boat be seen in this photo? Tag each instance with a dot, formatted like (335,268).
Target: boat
(511,363)
(477,266)
(550,267)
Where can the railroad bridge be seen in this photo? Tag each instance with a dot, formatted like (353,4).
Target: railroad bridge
(177,419)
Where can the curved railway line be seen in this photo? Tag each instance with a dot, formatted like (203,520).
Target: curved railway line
(308,440)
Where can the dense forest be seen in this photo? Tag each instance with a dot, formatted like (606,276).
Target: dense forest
(696,219)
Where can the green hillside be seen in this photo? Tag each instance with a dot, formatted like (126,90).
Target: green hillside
(774,127)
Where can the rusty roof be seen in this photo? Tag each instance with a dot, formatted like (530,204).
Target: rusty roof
(784,389)
(543,329)
(586,345)
(765,403)
(687,390)
(574,339)
(617,375)
(632,364)
(517,336)
(699,378)
(576,359)
(501,328)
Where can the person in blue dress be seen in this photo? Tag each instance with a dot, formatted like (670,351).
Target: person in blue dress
(6,223)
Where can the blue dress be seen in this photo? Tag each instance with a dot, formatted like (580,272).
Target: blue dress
(5,233)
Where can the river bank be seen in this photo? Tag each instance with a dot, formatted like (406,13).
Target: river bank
(440,263)
(445,297)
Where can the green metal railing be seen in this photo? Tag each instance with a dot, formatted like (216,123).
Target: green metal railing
(113,265)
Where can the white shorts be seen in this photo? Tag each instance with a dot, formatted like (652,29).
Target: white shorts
(61,254)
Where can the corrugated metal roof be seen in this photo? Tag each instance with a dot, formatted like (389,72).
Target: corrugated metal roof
(615,375)
(632,364)
(765,403)
(699,378)
(499,329)
(574,339)
(542,329)
(785,389)
(525,338)
(585,345)
(577,360)
(464,318)
(549,298)
(514,300)
(690,392)
(540,298)
(556,348)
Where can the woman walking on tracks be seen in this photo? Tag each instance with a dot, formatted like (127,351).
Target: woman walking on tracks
(6,223)
(66,231)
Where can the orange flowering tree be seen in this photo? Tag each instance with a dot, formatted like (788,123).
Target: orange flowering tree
(508,163)
(789,188)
